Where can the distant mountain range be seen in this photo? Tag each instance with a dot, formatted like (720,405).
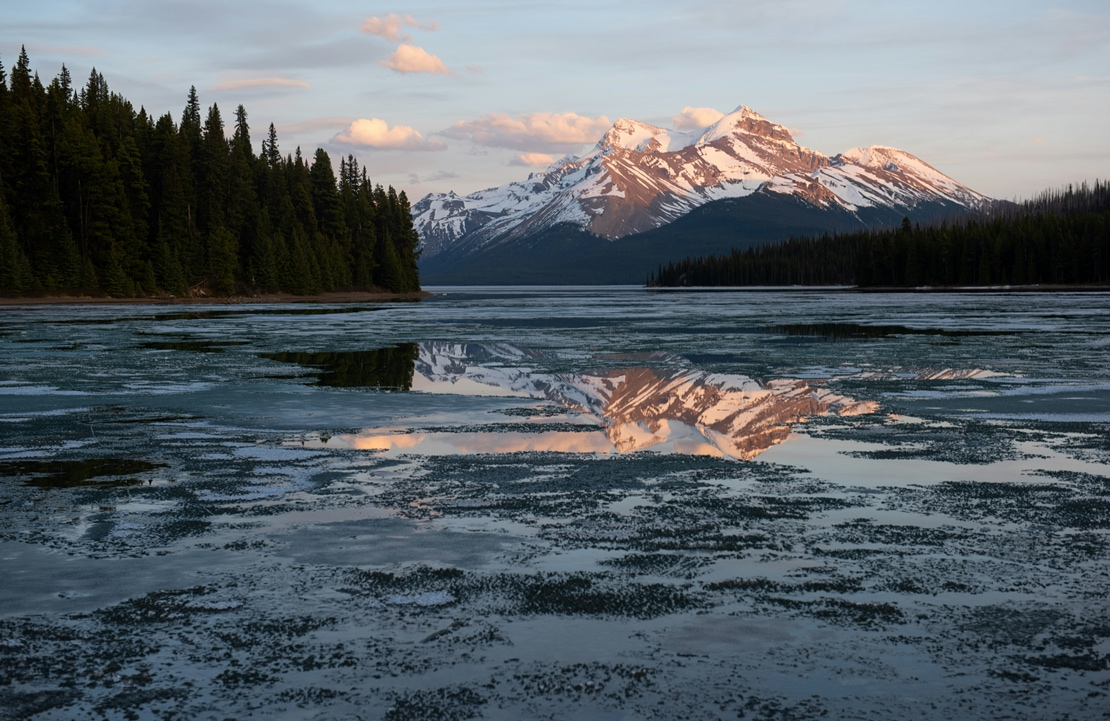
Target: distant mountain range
(646,195)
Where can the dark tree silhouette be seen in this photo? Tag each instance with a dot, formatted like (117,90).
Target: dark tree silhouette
(1060,237)
(96,197)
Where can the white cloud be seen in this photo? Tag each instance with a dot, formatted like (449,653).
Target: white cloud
(533,160)
(389,27)
(694,118)
(376,133)
(411,59)
(531,131)
(260,83)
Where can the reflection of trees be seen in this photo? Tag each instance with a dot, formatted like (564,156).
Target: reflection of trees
(68,474)
(389,368)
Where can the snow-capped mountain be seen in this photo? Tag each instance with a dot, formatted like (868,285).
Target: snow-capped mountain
(640,177)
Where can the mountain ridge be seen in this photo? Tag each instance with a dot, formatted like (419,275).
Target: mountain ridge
(640,178)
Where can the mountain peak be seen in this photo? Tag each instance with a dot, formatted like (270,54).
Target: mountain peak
(745,112)
(633,135)
(745,120)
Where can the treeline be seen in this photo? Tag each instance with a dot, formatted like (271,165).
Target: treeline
(96,197)
(828,260)
(1060,237)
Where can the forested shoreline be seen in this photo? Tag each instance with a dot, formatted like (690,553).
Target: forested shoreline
(1061,237)
(97,198)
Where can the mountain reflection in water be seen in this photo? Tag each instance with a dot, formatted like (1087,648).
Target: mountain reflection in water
(657,405)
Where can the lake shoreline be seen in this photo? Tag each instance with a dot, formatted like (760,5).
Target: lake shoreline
(887,289)
(337,297)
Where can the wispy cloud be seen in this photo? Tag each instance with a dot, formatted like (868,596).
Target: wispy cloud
(411,59)
(531,131)
(415,178)
(82,50)
(315,124)
(533,160)
(694,118)
(390,26)
(248,83)
(376,133)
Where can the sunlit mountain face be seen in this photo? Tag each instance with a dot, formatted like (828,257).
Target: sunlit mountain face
(639,177)
(655,403)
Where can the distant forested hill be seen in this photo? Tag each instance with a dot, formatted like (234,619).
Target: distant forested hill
(98,198)
(1061,237)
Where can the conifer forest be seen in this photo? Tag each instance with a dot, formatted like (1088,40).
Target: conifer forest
(99,198)
(1060,237)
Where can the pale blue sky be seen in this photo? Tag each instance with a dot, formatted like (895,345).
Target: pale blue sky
(1007,97)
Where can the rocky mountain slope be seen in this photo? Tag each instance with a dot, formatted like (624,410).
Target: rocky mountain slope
(640,178)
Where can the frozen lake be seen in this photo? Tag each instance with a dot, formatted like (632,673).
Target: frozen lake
(566,503)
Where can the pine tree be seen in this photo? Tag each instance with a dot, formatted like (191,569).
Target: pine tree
(116,281)
(5,130)
(212,178)
(243,206)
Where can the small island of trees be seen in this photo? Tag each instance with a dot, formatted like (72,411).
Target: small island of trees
(97,198)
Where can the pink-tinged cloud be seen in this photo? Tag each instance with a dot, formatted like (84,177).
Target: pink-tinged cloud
(376,133)
(260,83)
(411,59)
(390,26)
(531,132)
(469,443)
(381,442)
(694,118)
(533,160)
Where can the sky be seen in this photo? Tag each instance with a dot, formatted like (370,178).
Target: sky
(1008,97)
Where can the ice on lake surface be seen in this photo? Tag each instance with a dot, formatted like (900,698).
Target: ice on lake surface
(602,503)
